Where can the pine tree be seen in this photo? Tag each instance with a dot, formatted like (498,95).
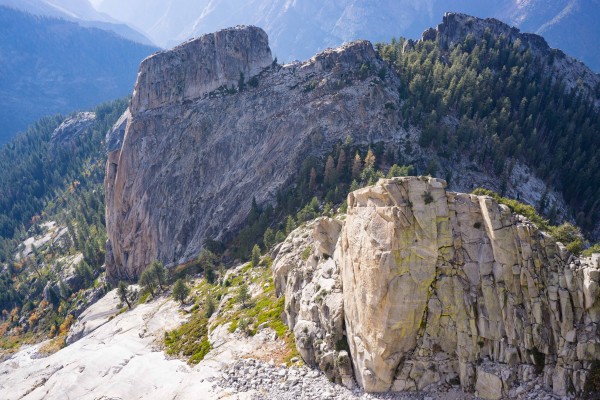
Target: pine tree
(180,291)
(123,292)
(330,172)
(255,256)
(269,238)
(370,159)
(206,262)
(210,306)
(290,225)
(357,166)
(160,273)
(312,183)
(241,82)
(341,166)
(243,295)
(63,289)
(148,281)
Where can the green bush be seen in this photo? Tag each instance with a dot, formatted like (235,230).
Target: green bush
(189,340)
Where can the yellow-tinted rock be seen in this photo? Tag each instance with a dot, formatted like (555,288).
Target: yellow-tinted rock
(437,285)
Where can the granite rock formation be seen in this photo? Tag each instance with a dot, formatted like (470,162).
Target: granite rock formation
(215,123)
(73,127)
(196,149)
(435,286)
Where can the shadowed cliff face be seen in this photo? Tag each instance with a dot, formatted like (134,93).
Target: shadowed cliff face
(429,286)
(194,153)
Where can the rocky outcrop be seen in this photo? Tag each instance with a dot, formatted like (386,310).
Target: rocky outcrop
(196,150)
(200,143)
(115,136)
(73,127)
(442,287)
(200,66)
(310,280)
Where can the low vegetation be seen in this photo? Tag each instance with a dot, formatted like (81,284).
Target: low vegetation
(190,340)
(566,233)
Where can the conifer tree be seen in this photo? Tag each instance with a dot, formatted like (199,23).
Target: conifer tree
(370,159)
(180,291)
(330,172)
(206,262)
(123,293)
(312,183)
(255,256)
(269,238)
(243,295)
(341,166)
(290,225)
(160,273)
(210,306)
(148,282)
(357,166)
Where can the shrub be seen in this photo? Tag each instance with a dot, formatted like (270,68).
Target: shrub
(191,340)
(516,207)
(210,306)
(306,253)
(569,235)
(253,82)
(591,250)
(427,198)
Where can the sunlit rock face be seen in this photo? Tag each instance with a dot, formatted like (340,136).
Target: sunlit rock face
(440,287)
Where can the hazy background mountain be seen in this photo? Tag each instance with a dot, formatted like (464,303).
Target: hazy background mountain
(51,66)
(80,11)
(299,28)
(570,25)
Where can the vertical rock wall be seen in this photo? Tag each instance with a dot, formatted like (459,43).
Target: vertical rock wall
(443,287)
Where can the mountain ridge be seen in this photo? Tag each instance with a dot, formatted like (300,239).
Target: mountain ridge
(334,80)
(330,25)
(80,12)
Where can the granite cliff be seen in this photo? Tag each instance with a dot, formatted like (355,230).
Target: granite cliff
(189,122)
(427,286)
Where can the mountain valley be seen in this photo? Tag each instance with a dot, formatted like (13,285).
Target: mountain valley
(405,220)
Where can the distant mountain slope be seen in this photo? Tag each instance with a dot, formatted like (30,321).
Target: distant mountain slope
(300,28)
(80,11)
(50,66)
